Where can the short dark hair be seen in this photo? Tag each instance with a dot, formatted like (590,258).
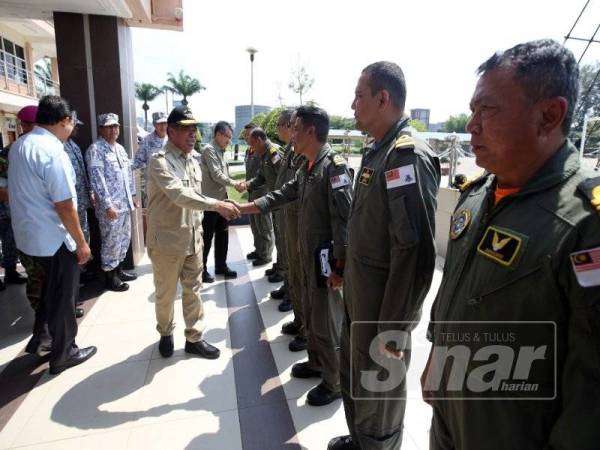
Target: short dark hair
(544,68)
(222,126)
(317,117)
(250,126)
(389,76)
(52,109)
(258,133)
(285,116)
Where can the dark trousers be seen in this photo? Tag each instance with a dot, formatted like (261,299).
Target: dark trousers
(213,224)
(57,308)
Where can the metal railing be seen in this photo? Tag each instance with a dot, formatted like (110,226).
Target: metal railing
(14,78)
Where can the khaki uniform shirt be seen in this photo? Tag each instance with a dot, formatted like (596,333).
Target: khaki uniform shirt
(175,203)
(215,172)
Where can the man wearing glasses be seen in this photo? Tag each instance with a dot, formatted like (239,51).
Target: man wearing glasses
(215,179)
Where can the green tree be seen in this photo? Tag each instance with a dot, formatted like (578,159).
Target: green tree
(456,124)
(418,125)
(184,85)
(341,123)
(268,122)
(301,82)
(146,92)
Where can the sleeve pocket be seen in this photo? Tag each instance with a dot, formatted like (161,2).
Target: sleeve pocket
(402,232)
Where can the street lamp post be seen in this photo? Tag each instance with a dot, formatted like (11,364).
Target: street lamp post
(252,51)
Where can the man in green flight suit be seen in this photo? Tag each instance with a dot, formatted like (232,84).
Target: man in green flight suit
(390,260)
(323,188)
(524,247)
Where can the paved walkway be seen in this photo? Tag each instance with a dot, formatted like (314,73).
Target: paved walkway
(129,397)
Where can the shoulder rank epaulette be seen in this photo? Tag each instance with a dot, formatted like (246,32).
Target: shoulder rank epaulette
(470,182)
(338,160)
(404,141)
(273,149)
(591,189)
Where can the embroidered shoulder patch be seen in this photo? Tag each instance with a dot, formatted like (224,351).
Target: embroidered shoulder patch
(404,141)
(586,265)
(400,176)
(339,181)
(338,160)
(591,189)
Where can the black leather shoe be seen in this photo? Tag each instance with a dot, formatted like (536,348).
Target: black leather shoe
(226,272)
(270,271)
(79,312)
(298,344)
(207,277)
(126,276)
(275,278)
(11,276)
(342,443)
(203,349)
(114,283)
(285,306)
(252,255)
(278,294)
(165,346)
(261,262)
(301,370)
(290,327)
(82,355)
(321,395)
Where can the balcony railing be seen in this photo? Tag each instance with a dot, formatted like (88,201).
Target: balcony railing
(20,81)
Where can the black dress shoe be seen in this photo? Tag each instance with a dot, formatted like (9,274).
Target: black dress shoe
(298,344)
(114,283)
(301,370)
(321,395)
(278,294)
(285,306)
(207,277)
(261,261)
(79,312)
(252,255)
(82,355)
(342,443)
(203,349)
(226,272)
(165,346)
(126,276)
(275,278)
(270,271)
(291,327)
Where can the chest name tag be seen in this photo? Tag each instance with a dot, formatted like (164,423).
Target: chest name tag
(365,176)
(400,176)
(499,245)
(586,265)
(339,181)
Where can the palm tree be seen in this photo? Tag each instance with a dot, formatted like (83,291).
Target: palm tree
(184,85)
(146,92)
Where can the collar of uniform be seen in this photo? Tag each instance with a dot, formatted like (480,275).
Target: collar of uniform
(214,145)
(170,147)
(106,143)
(559,167)
(392,133)
(323,152)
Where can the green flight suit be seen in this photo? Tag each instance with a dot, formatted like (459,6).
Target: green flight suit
(324,194)
(389,267)
(260,224)
(514,261)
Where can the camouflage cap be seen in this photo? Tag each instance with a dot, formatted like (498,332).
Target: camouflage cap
(159,117)
(108,119)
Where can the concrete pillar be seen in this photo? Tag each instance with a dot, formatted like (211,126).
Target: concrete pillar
(54,70)
(95,65)
(29,66)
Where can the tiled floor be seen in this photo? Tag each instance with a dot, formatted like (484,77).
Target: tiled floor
(127,396)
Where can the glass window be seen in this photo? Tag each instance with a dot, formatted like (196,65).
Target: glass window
(19,51)
(9,47)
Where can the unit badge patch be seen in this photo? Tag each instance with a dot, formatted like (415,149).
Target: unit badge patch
(500,245)
(586,265)
(365,176)
(400,176)
(459,223)
(339,181)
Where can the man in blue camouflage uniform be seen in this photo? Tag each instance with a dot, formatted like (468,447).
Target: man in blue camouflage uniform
(112,182)
(150,145)
(85,195)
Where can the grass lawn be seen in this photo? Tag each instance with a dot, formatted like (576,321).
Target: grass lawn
(235,195)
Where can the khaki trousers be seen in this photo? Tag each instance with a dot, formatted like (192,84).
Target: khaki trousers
(168,270)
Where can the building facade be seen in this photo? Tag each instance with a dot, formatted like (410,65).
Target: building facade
(243,115)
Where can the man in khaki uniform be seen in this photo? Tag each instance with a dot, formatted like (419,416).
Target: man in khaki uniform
(215,179)
(262,224)
(174,236)
(323,189)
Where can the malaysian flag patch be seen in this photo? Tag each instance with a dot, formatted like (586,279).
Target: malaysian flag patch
(400,176)
(339,181)
(586,265)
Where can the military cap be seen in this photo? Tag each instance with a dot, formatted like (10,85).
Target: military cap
(182,115)
(159,117)
(108,119)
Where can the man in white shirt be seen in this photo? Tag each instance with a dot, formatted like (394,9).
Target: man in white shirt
(46,225)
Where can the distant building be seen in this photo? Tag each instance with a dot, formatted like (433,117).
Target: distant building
(243,116)
(438,126)
(421,114)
